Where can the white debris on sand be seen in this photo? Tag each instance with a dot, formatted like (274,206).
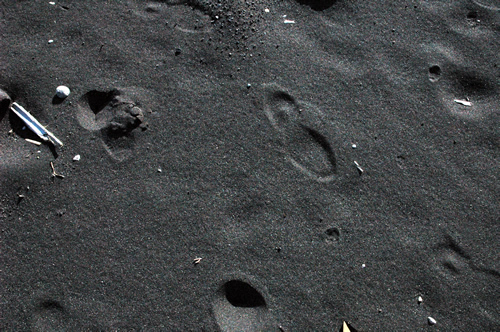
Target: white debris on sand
(431,320)
(62,91)
(76,158)
(463,102)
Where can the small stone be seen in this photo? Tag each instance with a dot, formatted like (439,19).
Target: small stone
(50,41)
(249,86)
(159,170)
(52,3)
(354,146)
(431,321)
(363,266)
(76,158)
(266,10)
(62,91)
(420,300)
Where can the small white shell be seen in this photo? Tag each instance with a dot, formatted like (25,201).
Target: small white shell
(62,91)
(431,321)
(76,158)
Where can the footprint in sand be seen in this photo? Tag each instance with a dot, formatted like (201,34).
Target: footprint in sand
(298,127)
(114,115)
(239,306)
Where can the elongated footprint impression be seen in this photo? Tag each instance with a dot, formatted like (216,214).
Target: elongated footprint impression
(298,125)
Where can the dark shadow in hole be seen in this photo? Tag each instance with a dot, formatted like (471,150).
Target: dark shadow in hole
(333,232)
(318,5)
(241,294)
(281,95)
(472,15)
(50,305)
(323,142)
(472,83)
(435,70)
(97,100)
(5,102)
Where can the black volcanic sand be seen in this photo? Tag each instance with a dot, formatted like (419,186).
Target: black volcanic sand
(215,130)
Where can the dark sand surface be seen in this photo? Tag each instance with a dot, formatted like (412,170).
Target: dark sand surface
(215,130)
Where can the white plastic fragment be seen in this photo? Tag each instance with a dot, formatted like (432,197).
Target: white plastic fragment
(463,102)
(62,91)
(420,300)
(363,266)
(34,125)
(354,146)
(266,10)
(51,41)
(431,320)
(52,3)
(32,141)
(77,158)
(289,21)
(360,170)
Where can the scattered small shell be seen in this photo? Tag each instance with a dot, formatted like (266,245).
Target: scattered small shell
(266,10)
(289,21)
(159,170)
(431,320)
(420,299)
(354,146)
(50,41)
(62,91)
(52,3)
(76,158)
(363,266)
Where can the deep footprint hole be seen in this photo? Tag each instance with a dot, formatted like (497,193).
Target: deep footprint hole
(435,70)
(99,99)
(241,294)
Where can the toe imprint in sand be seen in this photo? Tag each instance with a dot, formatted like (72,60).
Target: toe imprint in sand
(114,115)
(297,125)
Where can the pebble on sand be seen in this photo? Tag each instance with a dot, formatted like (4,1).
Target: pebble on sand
(420,300)
(62,91)
(431,321)
(76,158)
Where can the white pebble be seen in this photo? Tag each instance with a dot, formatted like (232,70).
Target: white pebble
(354,146)
(62,91)
(159,170)
(266,10)
(420,299)
(51,41)
(76,158)
(363,266)
(52,3)
(431,321)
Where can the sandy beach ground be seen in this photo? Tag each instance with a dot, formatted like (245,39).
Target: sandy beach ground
(251,165)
